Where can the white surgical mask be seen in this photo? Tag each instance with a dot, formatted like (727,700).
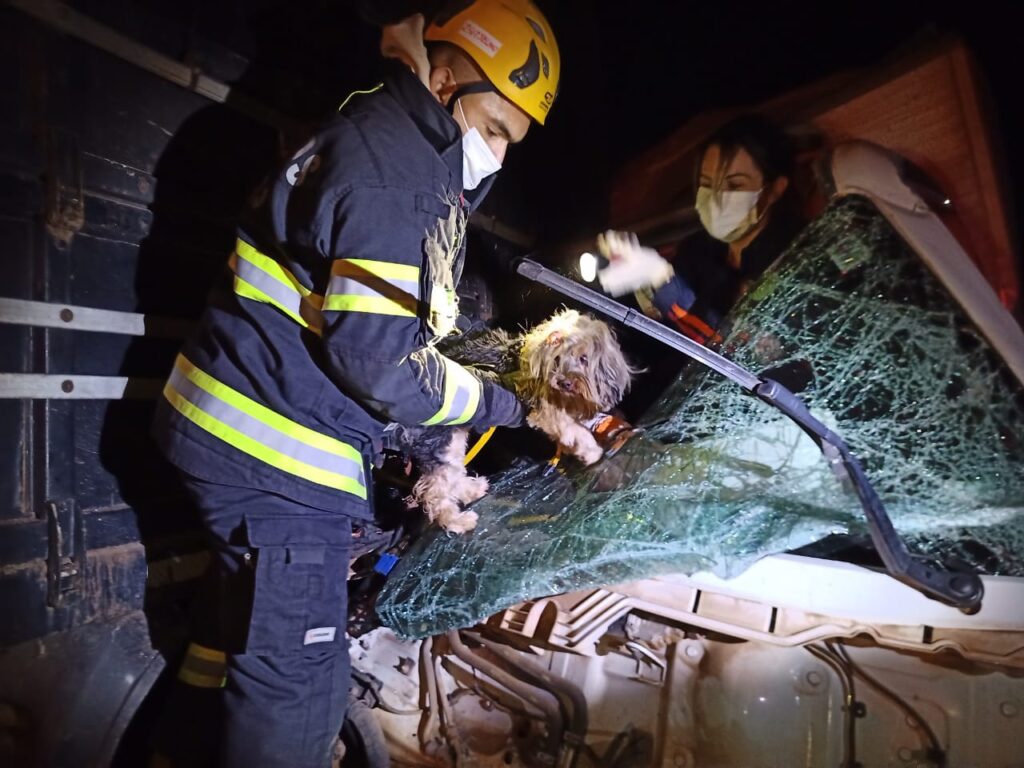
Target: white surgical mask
(729,215)
(478,161)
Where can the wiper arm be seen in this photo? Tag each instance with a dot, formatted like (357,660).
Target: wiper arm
(960,589)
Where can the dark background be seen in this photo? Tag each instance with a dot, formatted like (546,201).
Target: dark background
(636,71)
(632,72)
(163,173)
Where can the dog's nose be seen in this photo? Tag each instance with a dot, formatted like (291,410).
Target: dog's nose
(566,385)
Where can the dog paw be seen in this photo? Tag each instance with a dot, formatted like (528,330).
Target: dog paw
(455,520)
(470,489)
(588,454)
(536,420)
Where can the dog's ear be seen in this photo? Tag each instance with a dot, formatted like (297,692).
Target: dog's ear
(613,373)
(565,318)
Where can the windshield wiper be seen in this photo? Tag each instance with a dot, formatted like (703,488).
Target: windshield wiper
(962,590)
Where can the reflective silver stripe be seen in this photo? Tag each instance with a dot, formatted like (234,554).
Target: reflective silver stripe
(263,433)
(376,287)
(360,287)
(460,401)
(462,392)
(304,308)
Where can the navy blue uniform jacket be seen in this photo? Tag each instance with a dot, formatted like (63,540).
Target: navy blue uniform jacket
(322,330)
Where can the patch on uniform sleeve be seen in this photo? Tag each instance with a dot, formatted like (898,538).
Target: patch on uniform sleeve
(320,635)
(442,247)
(303,163)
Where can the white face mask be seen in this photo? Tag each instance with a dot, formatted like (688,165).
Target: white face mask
(730,215)
(478,161)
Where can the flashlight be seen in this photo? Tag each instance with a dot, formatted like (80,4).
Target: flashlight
(588,267)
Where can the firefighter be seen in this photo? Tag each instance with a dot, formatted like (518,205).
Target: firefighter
(322,334)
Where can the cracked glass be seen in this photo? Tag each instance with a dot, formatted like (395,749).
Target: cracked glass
(853,321)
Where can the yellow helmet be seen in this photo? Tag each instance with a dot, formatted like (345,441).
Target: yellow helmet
(512,42)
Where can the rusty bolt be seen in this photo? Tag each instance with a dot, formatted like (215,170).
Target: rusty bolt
(67,385)
(67,315)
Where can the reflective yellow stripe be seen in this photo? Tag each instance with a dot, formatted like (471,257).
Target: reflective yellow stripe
(203,667)
(261,278)
(207,654)
(273,268)
(473,384)
(377,305)
(356,285)
(389,270)
(197,680)
(446,405)
(264,414)
(248,291)
(262,452)
(461,396)
(377,287)
(260,432)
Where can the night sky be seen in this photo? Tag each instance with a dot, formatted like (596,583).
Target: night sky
(636,71)
(632,73)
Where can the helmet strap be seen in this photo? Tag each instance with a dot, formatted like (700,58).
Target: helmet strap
(480,86)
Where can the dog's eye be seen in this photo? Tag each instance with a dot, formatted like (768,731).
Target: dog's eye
(558,359)
(583,360)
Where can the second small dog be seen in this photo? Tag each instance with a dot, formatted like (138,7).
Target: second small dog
(566,370)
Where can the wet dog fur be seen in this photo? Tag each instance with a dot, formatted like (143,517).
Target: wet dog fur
(565,370)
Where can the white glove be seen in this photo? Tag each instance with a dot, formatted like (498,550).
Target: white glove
(633,267)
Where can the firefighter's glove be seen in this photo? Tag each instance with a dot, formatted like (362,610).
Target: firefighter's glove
(632,267)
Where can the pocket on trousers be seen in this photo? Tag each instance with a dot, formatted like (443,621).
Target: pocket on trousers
(299,598)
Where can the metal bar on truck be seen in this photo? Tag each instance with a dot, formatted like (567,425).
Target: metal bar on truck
(45,386)
(43,314)
(66,19)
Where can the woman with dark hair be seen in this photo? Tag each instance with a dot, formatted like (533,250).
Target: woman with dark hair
(742,179)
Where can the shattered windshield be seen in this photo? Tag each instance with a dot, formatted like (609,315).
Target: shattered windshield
(881,354)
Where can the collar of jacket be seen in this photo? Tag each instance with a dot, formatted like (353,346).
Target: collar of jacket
(436,124)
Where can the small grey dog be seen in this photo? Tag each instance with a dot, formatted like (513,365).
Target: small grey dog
(566,370)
